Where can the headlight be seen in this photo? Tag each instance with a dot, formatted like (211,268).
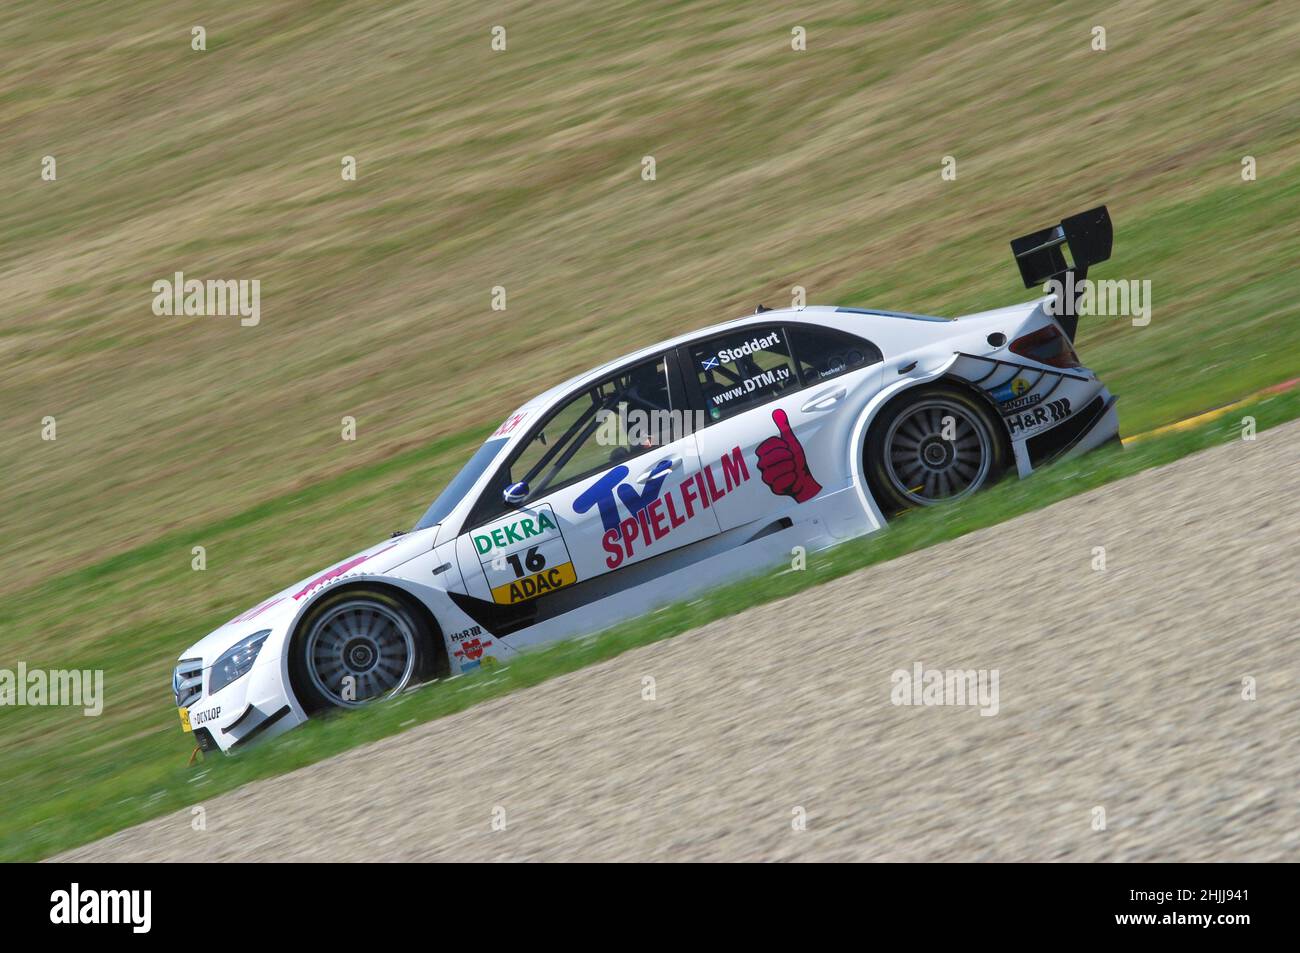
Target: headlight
(236,662)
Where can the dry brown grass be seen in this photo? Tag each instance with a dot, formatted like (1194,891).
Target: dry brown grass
(522,169)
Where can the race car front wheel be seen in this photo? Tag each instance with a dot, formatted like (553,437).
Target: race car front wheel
(933,445)
(357,646)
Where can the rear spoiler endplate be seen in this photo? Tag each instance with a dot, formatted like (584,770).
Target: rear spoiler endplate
(1041,257)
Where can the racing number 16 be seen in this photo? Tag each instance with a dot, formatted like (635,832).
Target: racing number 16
(533,562)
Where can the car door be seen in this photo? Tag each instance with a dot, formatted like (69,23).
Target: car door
(605,473)
(775,399)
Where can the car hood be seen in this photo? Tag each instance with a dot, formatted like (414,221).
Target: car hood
(279,610)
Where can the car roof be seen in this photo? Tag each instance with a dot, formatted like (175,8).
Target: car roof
(811,314)
(889,330)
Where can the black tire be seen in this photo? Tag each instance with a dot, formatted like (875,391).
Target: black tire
(909,460)
(366,633)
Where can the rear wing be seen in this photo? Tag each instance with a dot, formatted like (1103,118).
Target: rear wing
(1041,259)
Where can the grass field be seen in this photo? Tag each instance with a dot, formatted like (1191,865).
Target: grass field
(522,169)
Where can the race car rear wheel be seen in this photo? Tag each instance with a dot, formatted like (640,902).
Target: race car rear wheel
(357,646)
(933,445)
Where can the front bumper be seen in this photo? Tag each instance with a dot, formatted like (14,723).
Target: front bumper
(257,705)
(253,723)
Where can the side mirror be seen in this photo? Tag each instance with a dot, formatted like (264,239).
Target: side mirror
(515,493)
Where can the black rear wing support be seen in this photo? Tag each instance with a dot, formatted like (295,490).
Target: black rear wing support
(1041,258)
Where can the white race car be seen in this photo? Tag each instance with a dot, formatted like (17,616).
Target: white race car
(665,473)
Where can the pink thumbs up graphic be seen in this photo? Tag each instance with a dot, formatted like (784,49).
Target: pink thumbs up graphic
(782,463)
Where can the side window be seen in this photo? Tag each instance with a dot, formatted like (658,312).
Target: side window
(822,353)
(743,369)
(595,429)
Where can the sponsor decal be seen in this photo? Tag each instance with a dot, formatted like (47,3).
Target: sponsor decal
(337,571)
(255,611)
(204,716)
(524,555)
(783,465)
(1012,388)
(601,494)
(835,364)
(654,513)
(1019,403)
(185,719)
(537,584)
(1050,413)
(471,632)
(728,354)
(1013,396)
(510,423)
(471,654)
(472,648)
(772,378)
(508,534)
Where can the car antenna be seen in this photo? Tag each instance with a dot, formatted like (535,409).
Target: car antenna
(760,309)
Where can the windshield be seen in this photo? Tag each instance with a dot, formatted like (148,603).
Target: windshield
(458,487)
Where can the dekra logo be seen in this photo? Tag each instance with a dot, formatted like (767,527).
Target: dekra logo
(517,532)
